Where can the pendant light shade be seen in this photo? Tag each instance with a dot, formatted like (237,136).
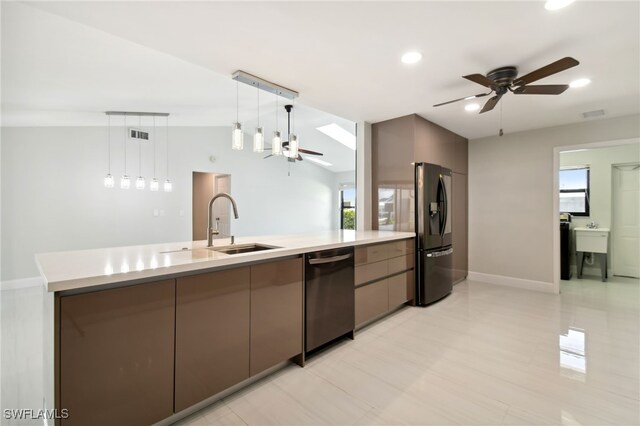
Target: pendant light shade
(293,146)
(108,179)
(154,185)
(140,183)
(125,182)
(258,140)
(237,137)
(276,144)
(168,186)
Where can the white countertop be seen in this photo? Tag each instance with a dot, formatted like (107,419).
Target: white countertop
(87,268)
(592,229)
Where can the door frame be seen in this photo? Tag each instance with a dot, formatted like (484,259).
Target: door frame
(556,199)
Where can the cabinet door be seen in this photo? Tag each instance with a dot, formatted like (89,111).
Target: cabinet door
(212,334)
(276,313)
(116,355)
(371,301)
(400,289)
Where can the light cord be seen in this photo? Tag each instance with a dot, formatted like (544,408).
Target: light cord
(109,145)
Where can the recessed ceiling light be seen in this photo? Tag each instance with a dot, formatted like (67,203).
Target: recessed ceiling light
(472,107)
(411,57)
(581,82)
(339,134)
(318,161)
(557,4)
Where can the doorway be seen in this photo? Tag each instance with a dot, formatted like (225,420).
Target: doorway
(626,220)
(205,186)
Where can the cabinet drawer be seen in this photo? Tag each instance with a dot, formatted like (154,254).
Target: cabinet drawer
(370,272)
(370,254)
(400,289)
(371,300)
(400,248)
(402,263)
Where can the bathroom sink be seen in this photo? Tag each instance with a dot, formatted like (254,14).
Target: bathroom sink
(242,248)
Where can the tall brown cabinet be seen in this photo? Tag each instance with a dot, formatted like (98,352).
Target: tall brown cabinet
(398,143)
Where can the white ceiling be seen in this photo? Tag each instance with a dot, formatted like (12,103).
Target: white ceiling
(344,56)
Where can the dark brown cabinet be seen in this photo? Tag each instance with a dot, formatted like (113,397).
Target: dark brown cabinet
(395,146)
(116,355)
(212,334)
(276,313)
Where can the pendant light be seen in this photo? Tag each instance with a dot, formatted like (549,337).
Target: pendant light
(125,182)
(236,133)
(168,186)
(154,185)
(276,143)
(140,182)
(293,138)
(108,179)
(258,138)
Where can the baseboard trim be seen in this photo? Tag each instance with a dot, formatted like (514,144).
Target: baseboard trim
(511,282)
(20,283)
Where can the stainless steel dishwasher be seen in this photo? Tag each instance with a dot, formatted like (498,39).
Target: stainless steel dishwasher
(329,296)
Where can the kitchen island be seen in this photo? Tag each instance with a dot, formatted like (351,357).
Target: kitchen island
(146,334)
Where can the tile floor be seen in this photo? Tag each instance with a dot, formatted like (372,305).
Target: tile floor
(486,355)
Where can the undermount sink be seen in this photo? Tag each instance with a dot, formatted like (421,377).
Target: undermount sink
(242,248)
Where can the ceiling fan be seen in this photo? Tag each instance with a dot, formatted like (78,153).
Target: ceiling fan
(505,79)
(285,144)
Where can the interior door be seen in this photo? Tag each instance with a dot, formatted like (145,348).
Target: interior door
(626,220)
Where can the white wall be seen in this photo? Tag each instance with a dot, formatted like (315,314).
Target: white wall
(600,162)
(511,198)
(53,196)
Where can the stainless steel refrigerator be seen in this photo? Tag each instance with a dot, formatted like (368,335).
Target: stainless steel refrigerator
(434,251)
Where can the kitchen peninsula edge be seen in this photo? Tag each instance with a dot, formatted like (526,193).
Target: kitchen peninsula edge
(133,273)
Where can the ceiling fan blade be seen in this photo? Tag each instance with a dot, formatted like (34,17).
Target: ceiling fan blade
(541,89)
(491,103)
(552,68)
(464,99)
(480,79)
(308,151)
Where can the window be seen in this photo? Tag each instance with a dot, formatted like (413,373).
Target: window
(348,208)
(574,191)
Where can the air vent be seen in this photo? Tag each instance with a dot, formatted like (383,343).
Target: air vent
(137,134)
(591,114)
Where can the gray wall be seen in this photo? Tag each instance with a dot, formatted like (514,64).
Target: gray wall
(53,197)
(511,195)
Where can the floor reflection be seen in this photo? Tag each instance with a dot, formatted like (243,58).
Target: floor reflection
(573,360)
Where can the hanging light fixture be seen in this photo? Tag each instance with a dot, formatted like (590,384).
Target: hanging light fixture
(140,182)
(168,186)
(294,145)
(258,138)
(276,143)
(155,184)
(236,133)
(108,179)
(125,182)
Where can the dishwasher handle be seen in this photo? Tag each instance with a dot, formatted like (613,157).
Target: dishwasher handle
(321,260)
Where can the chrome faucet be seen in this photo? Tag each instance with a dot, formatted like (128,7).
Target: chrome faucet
(210,230)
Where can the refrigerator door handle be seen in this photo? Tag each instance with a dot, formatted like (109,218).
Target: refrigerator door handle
(443,211)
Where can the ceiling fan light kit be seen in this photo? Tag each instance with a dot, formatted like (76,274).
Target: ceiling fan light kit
(505,79)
